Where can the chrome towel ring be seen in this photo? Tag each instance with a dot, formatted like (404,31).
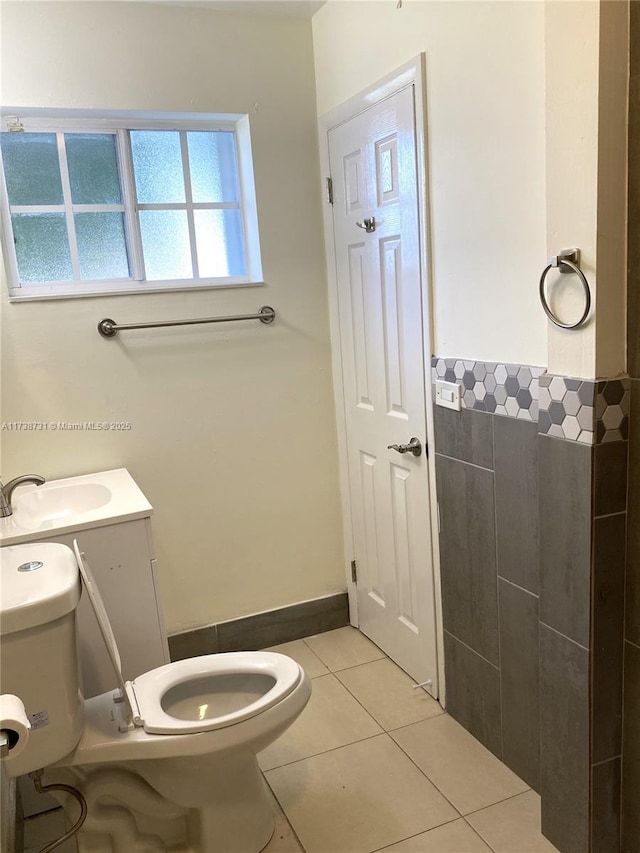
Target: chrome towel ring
(566,261)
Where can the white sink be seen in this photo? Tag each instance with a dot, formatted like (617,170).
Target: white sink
(53,503)
(73,503)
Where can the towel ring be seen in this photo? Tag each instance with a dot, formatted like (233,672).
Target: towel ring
(559,261)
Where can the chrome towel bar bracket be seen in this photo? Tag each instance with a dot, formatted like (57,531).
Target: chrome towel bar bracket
(567,261)
(109,328)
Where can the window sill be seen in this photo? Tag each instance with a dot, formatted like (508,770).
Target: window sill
(40,293)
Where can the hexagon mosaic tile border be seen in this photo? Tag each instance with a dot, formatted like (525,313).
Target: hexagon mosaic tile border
(573,409)
(503,389)
(590,412)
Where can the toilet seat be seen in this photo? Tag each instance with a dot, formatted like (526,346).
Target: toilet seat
(142,698)
(151,687)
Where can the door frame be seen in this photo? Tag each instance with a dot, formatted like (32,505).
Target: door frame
(410,74)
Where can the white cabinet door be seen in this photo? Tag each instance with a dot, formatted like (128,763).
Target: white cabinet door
(121,562)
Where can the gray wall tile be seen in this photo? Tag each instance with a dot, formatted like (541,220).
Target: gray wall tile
(635,37)
(605,809)
(633,528)
(610,478)
(608,628)
(520,678)
(473,693)
(516,485)
(564,742)
(631,752)
(191,644)
(263,629)
(467,555)
(564,499)
(633,256)
(465,435)
(284,625)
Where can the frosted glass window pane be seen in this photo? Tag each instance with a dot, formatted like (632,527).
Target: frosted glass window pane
(93,169)
(165,244)
(213,166)
(31,168)
(42,247)
(220,243)
(157,164)
(101,246)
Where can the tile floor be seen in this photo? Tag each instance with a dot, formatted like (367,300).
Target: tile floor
(374,765)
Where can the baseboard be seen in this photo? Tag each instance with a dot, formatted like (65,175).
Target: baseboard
(263,629)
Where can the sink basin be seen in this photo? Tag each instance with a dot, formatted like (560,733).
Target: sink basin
(45,504)
(71,504)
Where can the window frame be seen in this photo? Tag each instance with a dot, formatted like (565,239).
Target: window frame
(119,124)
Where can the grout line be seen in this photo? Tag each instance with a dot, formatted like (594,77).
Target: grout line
(356,665)
(606,761)
(401,748)
(477,832)
(560,634)
(498,619)
(286,816)
(415,835)
(323,752)
(462,643)
(440,713)
(464,462)
(610,514)
(506,799)
(517,586)
(511,797)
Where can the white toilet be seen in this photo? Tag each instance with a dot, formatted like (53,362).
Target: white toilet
(166,762)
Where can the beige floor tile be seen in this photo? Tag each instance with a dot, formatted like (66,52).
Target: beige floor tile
(456,837)
(302,654)
(332,718)
(358,798)
(284,838)
(388,694)
(466,773)
(343,647)
(513,826)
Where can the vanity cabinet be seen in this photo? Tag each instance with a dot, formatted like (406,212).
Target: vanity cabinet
(122,559)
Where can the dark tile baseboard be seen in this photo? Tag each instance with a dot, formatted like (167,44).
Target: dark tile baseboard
(263,629)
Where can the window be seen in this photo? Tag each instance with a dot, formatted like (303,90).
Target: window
(94,206)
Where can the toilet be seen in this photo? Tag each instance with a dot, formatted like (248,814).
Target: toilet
(166,762)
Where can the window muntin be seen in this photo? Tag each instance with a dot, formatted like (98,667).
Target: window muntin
(116,210)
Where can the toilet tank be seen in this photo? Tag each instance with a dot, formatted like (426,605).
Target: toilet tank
(39,592)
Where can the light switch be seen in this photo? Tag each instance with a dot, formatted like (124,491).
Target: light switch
(448,395)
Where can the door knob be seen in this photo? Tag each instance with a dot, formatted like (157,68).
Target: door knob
(414,447)
(369,225)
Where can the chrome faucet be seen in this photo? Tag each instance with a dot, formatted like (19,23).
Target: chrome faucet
(7,491)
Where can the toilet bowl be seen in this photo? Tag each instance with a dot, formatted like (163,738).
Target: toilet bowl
(168,760)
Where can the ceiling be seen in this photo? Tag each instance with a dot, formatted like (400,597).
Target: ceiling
(278,8)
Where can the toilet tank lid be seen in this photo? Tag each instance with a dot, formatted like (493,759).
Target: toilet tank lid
(39,583)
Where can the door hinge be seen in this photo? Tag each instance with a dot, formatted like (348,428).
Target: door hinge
(329,190)
(354,571)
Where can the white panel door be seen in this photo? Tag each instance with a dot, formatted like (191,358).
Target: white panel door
(373,168)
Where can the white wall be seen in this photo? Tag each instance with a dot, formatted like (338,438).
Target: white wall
(526,137)
(233,437)
(486,146)
(586,96)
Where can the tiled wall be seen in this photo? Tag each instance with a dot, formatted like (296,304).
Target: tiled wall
(486,470)
(631,732)
(532,546)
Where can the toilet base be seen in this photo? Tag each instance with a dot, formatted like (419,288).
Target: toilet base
(177,805)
